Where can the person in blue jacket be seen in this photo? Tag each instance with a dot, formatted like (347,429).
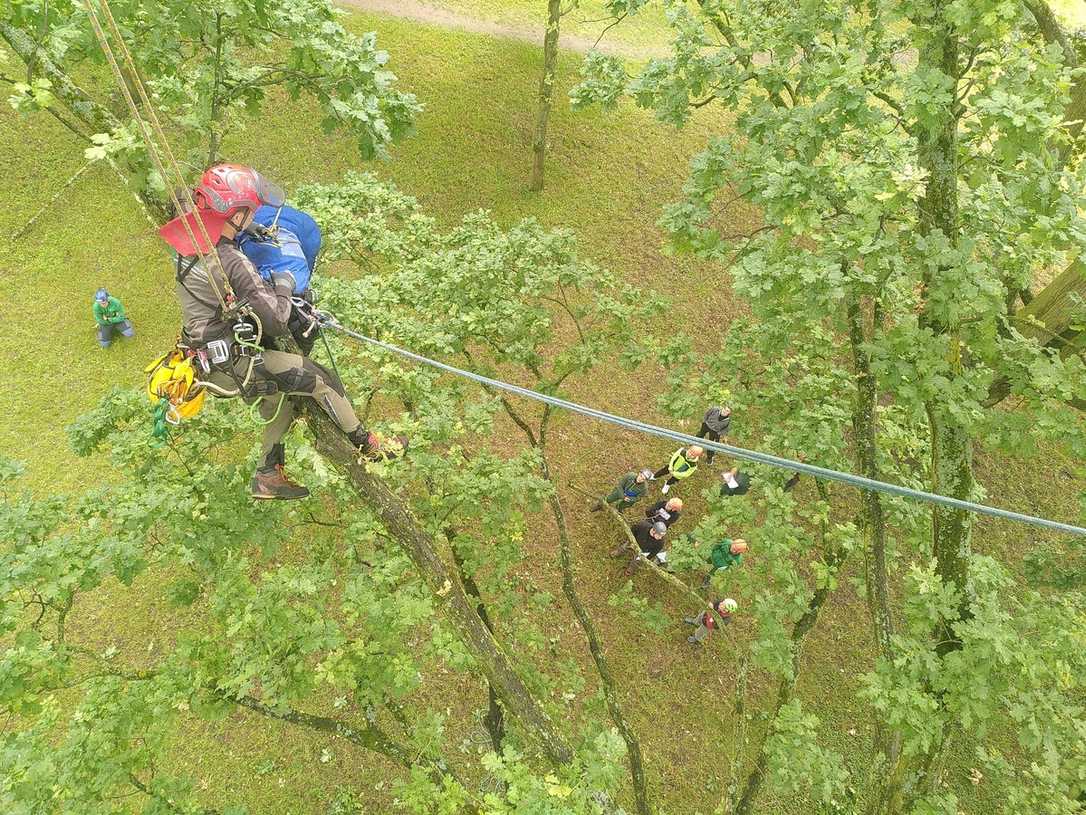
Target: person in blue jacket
(285,239)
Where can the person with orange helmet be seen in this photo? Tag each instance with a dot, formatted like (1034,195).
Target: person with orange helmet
(227,306)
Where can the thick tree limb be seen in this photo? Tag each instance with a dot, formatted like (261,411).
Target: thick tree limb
(370,737)
(610,692)
(454,603)
(494,720)
(631,543)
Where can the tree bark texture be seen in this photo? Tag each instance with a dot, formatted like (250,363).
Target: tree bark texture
(786,689)
(872,520)
(951,446)
(595,647)
(546,92)
(494,720)
(1075,114)
(453,602)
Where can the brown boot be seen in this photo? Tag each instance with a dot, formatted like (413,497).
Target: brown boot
(618,550)
(274,484)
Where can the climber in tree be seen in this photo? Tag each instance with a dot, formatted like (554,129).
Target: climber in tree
(225,340)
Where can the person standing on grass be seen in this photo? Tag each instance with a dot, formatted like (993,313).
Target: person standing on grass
(725,555)
(706,622)
(714,426)
(734,482)
(650,543)
(683,464)
(110,319)
(666,512)
(630,489)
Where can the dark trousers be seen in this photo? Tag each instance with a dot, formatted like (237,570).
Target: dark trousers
(711,435)
(662,472)
(106,332)
(293,376)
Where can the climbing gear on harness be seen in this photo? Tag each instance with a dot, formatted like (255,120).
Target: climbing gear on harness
(173,388)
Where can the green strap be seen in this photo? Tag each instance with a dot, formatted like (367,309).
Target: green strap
(254,409)
(160,428)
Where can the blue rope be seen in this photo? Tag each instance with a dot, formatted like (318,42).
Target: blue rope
(858,481)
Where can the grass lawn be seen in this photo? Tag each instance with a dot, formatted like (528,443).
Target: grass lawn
(607,177)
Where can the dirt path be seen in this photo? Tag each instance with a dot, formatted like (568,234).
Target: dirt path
(446,18)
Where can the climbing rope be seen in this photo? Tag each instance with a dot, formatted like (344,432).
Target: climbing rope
(224,295)
(857,481)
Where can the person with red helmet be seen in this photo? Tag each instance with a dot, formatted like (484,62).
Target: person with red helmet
(225,200)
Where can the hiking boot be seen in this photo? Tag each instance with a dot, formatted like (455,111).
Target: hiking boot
(372,447)
(619,550)
(274,485)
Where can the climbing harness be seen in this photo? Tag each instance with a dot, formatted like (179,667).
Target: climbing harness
(173,389)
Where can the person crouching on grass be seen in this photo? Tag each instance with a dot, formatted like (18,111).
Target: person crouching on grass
(706,622)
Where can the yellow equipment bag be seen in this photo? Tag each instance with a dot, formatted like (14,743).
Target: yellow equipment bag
(172,378)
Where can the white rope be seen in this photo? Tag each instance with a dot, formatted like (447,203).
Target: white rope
(858,481)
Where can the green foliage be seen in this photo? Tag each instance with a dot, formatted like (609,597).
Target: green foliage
(820,204)
(797,762)
(209,65)
(647,612)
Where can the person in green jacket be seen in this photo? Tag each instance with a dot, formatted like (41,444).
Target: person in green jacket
(725,555)
(109,315)
(631,488)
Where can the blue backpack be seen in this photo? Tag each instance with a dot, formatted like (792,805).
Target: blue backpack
(293,249)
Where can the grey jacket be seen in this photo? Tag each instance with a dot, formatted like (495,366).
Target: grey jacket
(201,311)
(715,422)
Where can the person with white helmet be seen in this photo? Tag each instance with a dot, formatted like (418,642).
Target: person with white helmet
(706,622)
(630,489)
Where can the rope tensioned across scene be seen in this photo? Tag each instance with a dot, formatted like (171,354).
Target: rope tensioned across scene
(857,481)
(156,142)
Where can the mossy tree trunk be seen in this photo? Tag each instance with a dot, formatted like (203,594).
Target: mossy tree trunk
(546,92)
(452,600)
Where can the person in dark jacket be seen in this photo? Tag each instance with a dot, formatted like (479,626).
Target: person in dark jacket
(226,198)
(630,489)
(650,541)
(714,426)
(667,512)
(734,482)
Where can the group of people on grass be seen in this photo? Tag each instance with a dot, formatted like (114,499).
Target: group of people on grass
(651,532)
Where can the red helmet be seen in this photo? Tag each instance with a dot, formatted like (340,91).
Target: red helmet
(223,190)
